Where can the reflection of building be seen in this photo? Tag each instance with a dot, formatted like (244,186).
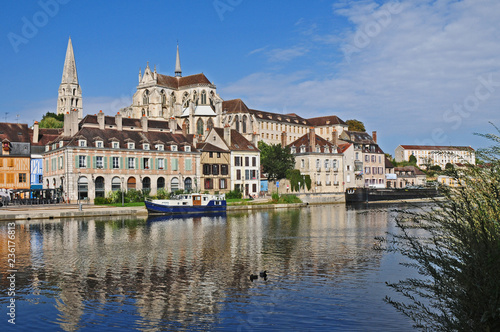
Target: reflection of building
(102,154)
(428,155)
(14,156)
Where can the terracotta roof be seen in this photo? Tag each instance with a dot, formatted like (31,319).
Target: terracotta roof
(344,147)
(177,82)
(238,141)
(436,147)
(15,132)
(326,120)
(46,135)
(321,142)
(234,106)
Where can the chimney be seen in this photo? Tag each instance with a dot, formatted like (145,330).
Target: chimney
(74,121)
(334,137)
(144,124)
(70,123)
(100,119)
(172,124)
(184,129)
(283,139)
(35,132)
(119,121)
(312,139)
(255,139)
(227,135)
(195,141)
(374,136)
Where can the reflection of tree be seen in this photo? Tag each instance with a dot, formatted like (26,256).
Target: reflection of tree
(179,272)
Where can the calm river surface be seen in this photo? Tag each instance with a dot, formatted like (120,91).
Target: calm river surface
(193,273)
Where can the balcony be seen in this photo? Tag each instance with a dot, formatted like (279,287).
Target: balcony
(327,169)
(335,169)
(328,183)
(335,183)
(318,169)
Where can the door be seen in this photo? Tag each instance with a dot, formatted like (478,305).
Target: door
(196,200)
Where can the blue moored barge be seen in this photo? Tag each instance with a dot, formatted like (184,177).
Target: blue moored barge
(187,203)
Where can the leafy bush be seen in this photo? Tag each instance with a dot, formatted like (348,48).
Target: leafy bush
(290,199)
(234,194)
(162,193)
(134,195)
(275,197)
(115,196)
(436,168)
(101,201)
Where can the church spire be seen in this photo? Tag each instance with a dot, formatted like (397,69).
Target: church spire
(69,71)
(178,71)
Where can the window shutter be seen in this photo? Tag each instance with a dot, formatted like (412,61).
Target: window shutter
(142,163)
(156,163)
(76,163)
(165,164)
(105,162)
(94,165)
(188,164)
(122,165)
(126,163)
(88,161)
(136,162)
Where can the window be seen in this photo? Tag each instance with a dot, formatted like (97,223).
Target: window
(374,170)
(247,174)
(116,145)
(61,162)
(161,163)
(61,144)
(199,127)
(327,163)
(131,162)
(99,144)
(145,163)
(160,147)
(187,148)
(82,161)
(22,177)
(357,155)
(209,184)
(210,155)
(145,97)
(253,174)
(367,170)
(224,169)
(238,174)
(380,170)
(99,162)
(173,148)
(215,169)
(222,184)
(254,161)
(334,164)
(254,188)
(203,97)
(206,169)
(145,146)
(82,143)
(374,158)
(247,161)
(131,146)
(237,161)
(218,154)
(318,164)
(367,158)
(116,162)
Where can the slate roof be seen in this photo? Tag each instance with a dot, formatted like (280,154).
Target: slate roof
(436,147)
(413,169)
(326,121)
(210,148)
(129,122)
(238,106)
(388,163)
(321,142)
(45,135)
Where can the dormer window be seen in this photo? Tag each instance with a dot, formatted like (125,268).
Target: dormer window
(160,147)
(99,144)
(318,149)
(145,146)
(131,146)
(173,148)
(302,149)
(187,148)
(82,143)
(47,148)
(294,150)
(61,143)
(54,146)
(116,145)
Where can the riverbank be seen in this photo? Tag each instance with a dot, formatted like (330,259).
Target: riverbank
(59,211)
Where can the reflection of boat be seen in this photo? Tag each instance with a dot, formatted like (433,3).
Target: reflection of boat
(353,195)
(188,203)
(193,216)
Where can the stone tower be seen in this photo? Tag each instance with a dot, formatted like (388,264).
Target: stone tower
(70,93)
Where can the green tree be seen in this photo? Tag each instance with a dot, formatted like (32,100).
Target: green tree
(449,166)
(454,247)
(355,125)
(275,160)
(413,160)
(52,120)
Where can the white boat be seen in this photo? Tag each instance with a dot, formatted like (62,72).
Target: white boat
(187,203)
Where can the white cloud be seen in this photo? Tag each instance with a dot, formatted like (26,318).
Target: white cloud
(407,77)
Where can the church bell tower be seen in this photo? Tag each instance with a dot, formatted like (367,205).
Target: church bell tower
(70,93)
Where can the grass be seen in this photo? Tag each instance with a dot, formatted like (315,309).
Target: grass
(133,204)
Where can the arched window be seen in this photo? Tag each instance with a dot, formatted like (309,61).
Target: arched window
(199,127)
(146,184)
(83,187)
(116,184)
(210,124)
(244,124)
(186,122)
(237,123)
(74,92)
(145,97)
(203,97)
(76,102)
(99,186)
(174,184)
(143,112)
(160,183)
(188,184)
(163,97)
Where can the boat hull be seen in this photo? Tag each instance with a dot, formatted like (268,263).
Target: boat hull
(154,208)
(357,195)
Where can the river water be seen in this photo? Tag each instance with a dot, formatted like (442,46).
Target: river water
(323,273)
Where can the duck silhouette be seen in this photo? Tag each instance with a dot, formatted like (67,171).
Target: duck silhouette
(253,277)
(263,274)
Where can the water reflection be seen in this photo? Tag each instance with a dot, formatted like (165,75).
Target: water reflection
(193,273)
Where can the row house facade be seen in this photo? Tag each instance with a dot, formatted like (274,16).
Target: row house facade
(15,156)
(368,158)
(102,154)
(321,160)
(430,155)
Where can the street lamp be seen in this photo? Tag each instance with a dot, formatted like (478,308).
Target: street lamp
(78,189)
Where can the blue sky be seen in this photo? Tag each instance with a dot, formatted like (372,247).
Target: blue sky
(417,72)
